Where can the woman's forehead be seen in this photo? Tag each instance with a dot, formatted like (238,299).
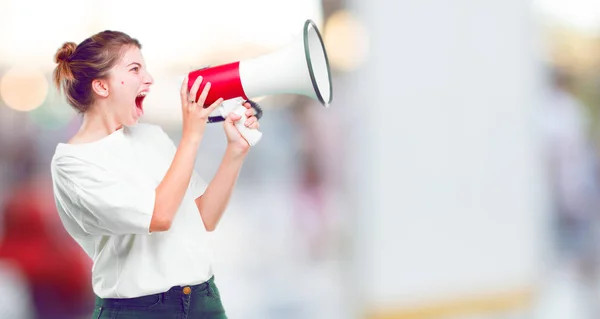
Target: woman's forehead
(130,55)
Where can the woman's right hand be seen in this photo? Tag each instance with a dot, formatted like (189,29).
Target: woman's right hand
(195,116)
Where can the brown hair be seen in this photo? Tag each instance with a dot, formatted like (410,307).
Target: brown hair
(79,65)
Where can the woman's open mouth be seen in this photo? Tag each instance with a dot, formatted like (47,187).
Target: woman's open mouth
(139,100)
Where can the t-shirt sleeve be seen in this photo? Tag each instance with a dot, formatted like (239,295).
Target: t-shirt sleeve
(197,184)
(101,202)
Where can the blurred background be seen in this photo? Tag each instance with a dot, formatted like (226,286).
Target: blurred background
(455,175)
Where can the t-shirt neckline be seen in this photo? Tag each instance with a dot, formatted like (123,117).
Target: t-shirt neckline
(106,139)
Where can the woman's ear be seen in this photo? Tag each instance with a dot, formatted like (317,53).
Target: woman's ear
(100,87)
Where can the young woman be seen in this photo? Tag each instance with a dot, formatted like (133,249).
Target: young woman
(131,198)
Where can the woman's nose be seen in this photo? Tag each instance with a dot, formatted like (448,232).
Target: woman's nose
(148,79)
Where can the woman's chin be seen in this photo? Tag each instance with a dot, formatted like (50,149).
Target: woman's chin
(131,121)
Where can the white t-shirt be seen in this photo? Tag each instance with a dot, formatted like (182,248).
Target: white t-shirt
(104,193)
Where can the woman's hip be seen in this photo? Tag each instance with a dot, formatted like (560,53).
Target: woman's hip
(194,301)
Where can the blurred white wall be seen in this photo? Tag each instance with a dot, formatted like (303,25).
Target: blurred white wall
(447,171)
(443,164)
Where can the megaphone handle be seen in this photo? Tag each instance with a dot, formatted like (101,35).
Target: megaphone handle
(251,135)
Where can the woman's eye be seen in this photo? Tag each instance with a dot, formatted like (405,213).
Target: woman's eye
(135,69)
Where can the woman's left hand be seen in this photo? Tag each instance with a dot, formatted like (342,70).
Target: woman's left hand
(234,137)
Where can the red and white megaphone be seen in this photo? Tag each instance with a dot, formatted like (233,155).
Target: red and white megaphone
(301,67)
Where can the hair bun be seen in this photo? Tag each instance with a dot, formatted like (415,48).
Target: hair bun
(65,52)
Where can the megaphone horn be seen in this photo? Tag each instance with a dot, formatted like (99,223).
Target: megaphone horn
(301,67)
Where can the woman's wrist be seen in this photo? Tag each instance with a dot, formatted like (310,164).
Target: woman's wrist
(234,151)
(191,139)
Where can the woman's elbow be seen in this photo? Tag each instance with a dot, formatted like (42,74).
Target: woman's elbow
(160,225)
(210,227)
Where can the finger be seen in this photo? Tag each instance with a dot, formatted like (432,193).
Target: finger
(195,87)
(247,105)
(250,121)
(183,91)
(255,125)
(204,94)
(249,113)
(213,106)
(232,117)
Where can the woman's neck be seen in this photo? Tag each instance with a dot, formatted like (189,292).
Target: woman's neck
(97,124)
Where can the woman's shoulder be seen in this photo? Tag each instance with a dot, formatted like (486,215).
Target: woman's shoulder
(73,162)
(73,156)
(109,151)
(78,146)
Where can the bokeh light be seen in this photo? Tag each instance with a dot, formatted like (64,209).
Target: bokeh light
(23,89)
(346,40)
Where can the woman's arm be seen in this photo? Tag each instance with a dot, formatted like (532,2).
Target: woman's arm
(213,202)
(172,188)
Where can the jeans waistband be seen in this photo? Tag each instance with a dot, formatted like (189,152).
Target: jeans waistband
(175,291)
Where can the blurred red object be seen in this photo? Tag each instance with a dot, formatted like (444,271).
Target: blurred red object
(33,239)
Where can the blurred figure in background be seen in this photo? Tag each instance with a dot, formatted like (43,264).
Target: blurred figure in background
(573,176)
(310,206)
(320,186)
(573,170)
